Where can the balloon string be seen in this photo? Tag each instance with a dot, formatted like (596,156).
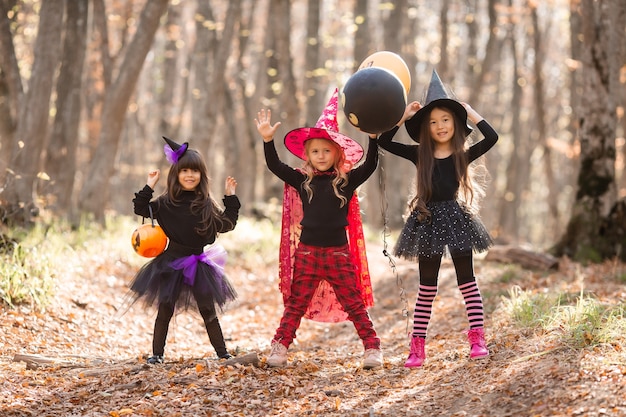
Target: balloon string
(385,234)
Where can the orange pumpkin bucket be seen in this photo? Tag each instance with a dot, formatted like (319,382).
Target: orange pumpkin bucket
(149,240)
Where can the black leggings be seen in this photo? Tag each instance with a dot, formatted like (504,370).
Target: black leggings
(211,323)
(429,269)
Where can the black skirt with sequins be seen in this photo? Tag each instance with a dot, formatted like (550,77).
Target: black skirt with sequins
(450,226)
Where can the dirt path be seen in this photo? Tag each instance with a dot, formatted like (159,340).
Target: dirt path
(100,369)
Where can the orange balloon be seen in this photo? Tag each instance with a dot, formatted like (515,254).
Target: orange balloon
(149,240)
(391,62)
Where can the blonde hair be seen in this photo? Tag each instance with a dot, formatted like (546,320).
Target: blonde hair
(341,167)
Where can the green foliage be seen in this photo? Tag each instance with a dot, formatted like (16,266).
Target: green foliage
(31,260)
(588,322)
(588,254)
(576,323)
(25,276)
(530,310)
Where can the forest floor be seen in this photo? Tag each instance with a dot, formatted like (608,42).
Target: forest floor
(86,352)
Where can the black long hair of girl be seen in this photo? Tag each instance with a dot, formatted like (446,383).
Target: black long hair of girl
(426,164)
(211,214)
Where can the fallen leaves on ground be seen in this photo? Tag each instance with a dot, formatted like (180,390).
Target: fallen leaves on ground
(88,353)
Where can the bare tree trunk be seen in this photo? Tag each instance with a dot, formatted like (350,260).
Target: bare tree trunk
(9,67)
(281,23)
(263,179)
(591,222)
(167,109)
(11,91)
(492,53)
(387,191)
(95,192)
(201,65)
(471,48)
(283,92)
(443,67)
(540,115)
(6,129)
(314,73)
(222,96)
(100,23)
(34,112)
(246,162)
(362,37)
(60,162)
(518,169)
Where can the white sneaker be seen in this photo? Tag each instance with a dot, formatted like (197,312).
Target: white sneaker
(372,358)
(278,355)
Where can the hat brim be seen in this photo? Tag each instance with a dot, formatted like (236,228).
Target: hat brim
(294,142)
(413,124)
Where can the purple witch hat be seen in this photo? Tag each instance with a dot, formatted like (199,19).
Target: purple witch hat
(174,151)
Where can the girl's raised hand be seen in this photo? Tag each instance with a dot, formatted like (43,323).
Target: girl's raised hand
(153,178)
(264,125)
(230,186)
(410,111)
(472,114)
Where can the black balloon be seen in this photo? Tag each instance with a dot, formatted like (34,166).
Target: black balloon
(374,100)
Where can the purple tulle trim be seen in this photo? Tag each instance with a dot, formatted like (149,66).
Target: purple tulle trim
(174,155)
(215,257)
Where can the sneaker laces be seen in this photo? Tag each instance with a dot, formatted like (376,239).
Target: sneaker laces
(416,343)
(278,349)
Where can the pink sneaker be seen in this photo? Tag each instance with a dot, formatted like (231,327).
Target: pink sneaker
(416,355)
(478,347)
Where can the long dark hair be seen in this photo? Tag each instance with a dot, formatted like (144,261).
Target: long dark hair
(203,203)
(426,164)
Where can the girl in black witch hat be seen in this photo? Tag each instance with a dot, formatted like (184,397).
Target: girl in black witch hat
(443,211)
(186,274)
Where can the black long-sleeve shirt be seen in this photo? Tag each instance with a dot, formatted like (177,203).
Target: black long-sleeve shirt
(179,223)
(445,184)
(324,221)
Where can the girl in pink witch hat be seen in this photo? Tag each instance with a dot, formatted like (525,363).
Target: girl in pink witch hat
(323,267)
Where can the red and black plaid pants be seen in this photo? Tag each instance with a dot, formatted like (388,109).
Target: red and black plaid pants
(333,264)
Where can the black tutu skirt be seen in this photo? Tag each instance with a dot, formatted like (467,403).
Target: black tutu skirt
(450,226)
(158,282)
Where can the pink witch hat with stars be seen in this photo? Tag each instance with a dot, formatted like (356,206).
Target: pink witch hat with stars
(325,128)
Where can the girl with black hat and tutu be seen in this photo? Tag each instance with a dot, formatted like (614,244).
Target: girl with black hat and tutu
(186,274)
(444,209)
(323,267)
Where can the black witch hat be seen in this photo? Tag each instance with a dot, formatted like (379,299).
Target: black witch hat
(437,96)
(174,151)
